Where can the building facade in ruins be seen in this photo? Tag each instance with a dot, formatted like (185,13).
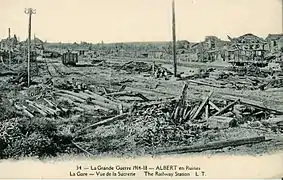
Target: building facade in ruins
(246,48)
(275,42)
(5,44)
(209,50)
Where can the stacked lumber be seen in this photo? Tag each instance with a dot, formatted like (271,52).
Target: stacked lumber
(228,111)
(86,98)
(32,108)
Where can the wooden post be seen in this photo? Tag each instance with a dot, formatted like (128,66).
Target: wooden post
(153,68)
(174,38)
(9,44)
(29,11)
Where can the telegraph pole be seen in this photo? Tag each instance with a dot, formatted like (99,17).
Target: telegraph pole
(9,44)
(29,11)
(174,38)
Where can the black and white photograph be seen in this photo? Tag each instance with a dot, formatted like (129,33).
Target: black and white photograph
(135,78)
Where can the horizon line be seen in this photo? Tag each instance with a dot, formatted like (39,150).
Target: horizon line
(146,41)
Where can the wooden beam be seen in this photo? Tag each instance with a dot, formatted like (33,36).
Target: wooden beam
(226,107)
(215,145)
(104,122)
(213,105)
(202,105)
(206,111)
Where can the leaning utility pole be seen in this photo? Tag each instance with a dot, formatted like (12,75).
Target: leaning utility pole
(9,44)
(174,38)
(282,15)
(29,11)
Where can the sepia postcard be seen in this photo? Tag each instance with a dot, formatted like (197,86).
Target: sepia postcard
(141,89)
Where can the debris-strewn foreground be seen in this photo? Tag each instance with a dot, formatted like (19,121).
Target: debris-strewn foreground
(136,108)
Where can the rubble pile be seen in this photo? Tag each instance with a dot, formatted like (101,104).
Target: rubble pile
(156,70)
(68,119)
(135,67)
(224,79)
(61,114)
(178,124)
(161,72)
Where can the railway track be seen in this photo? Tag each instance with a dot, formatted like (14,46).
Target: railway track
(53,69)
(163,61)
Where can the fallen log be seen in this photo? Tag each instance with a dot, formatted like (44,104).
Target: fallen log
(176,112)
(103,105)
(79,109)
(73,94)
(153,103)
(79,147)
(226,107)
(213,105)
(90,107)
(52,105)
(273,121)
(120,109)
(106,105)
(49,110)
(206,84)
(215,145)
(8,73)
(26,112)
(105,90)
(18,107)
(104,122)
(148,91)
(43,113)
(122,88)
(206,112)
(66,99)
(191,112)
(41,108)
(95,99)
(49,102)
(130,94)
(186,110)
(73,98)
(254,103)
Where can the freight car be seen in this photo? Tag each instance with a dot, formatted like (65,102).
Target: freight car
(70,58)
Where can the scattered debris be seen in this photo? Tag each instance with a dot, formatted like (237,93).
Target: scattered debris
(69,110)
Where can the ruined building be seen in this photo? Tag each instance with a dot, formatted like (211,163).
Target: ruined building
(246,48)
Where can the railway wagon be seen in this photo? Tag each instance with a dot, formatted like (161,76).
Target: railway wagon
(70,58)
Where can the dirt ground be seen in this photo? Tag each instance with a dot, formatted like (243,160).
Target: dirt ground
(145,131)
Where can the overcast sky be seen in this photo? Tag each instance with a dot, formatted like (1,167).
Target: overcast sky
(139,20)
